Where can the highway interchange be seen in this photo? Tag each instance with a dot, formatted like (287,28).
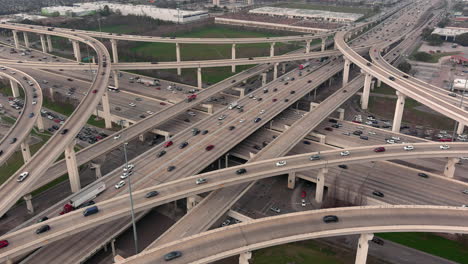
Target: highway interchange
(149,176)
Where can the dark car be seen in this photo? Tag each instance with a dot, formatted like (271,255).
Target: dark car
(90,211)
(286,100)
(405,76)
(172,255)
(333,121)
(292,92)
(357,132)
(330,219)
(88,203)
(378,241)
(379,149)
(43,219)
(195,131)
(241,171)
(204,132)
(329,129)
(151,194)
(171,168)
(160,154)
(424,175)
(4,243)
(70,79)
(232,128)
(343,166)
(258,119)
(364,137)
(64,131)
(377,193)
(183,145)
(309,81)
(391,78)
(13,140)
(43,229)
(209,147)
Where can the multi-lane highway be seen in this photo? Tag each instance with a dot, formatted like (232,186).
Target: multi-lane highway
(30,113)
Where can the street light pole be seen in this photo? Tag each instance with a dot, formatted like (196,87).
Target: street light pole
(135,237)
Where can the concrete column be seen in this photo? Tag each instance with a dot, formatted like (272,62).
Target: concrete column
(40,123)
(341,112)
(49,43)
(283,68)
(26,39)
(25,151)
(199,78)
(113,247)
(15,38)
(179,70)
(460,128)
(275,71)
(209,108)
(320,185)
(308,45)
(244,257)
(233,52)
(43,44)
(14,88)
(226,160)
(141,137)
(291,180)
(72,167)
(115,74)
(379,83)
(97,170)
(450,167)
(324,42)
(106,109)
(363,248)
(115,52)
(28,199)
(272,49)
(400,106)
(191,202)
(372,85)
(264,79)
(76,50)
(366,92)
(347,63)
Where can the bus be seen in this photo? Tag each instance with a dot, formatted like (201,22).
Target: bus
(113,89)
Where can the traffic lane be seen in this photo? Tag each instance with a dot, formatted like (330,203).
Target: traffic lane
(206,247)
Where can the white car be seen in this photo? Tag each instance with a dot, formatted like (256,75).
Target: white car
(369,123)
(22,176)
(190,113)
(303,203)
(444,147)
(408,148)
(281,163)
(390,141)
(396,138)
(149,112)
(119,184)
(117,136)
(222,117)
(345,153)
(275,209)
(371,133)
(465,191)
(262,111)
(126,174)
(132,104)
(34,102)
(242,121)
(129,167)
(360,127)
(200,181)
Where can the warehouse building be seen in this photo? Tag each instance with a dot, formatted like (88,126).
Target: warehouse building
(319,15)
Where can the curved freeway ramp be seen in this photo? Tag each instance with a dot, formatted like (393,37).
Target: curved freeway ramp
(25,239)
(20,130)
(233,240)
(12,190)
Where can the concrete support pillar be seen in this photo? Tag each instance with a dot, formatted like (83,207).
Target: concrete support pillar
(324,44)
(72,168)
(363,248)
(308,45)
(40,123)
(372,85)
(264,79)
(141,137)
(115,52)
(460,128)
(283,68)
(320,185)
(14,88)
(226,160)
(28,199)
(241,91)
(106,109)
(177,46)
(291,180)
(275,71)
(233,52)
(366,92)
(199,78)
(341,112)
(450,167)
(347,64)
(115,74)
(209,108)
(245,257)
(26,39)
(43,44)
(379,83)
(113,247)
(400,106)
(76,50)
(25,151)
(97,170)
(191,202)
(272,49)
(15,38)
(49,43)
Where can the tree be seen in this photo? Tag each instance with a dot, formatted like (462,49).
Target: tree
(404,67)
(426,33)
(105,11)
(434,40)
(422,56)
(462,39)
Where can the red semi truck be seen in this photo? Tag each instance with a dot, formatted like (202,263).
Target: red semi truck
(83,197)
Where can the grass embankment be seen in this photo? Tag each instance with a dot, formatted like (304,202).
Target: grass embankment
(431,58)
(432,244)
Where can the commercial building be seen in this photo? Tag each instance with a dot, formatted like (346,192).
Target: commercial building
(449,32)
(319,15)
(460,84)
